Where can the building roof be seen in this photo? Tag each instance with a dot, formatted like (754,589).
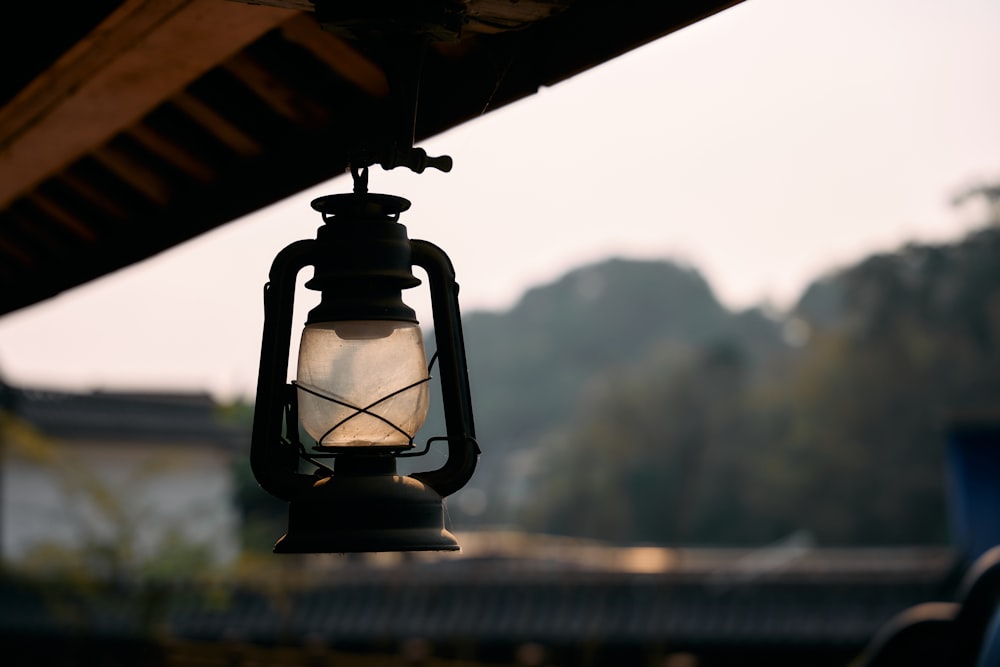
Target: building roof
(175,418)
(129,126)
(832,607)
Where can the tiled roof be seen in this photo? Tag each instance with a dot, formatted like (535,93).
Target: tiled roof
(499,603)
(111,416)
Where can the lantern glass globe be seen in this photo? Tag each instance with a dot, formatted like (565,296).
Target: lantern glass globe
(362,383)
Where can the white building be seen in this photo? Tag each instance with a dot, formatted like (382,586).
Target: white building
(117,482)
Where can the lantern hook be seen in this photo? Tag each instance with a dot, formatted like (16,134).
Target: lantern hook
(360,176)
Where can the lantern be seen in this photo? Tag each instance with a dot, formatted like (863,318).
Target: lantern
(362,388)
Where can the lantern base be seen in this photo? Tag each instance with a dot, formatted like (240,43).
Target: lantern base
(366,513)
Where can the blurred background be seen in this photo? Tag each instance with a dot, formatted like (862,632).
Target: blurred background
(725,309)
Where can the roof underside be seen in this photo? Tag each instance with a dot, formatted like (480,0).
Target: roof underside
(130,127)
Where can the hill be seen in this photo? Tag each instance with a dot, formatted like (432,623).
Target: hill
(838,431)
(531,366)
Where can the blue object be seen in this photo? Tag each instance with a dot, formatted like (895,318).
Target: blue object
(974,486)
(990,655)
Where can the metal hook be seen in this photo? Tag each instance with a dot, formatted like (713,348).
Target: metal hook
(360,176)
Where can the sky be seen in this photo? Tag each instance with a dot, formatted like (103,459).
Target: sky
(764,146)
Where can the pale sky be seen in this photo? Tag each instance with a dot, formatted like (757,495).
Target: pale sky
(763,146)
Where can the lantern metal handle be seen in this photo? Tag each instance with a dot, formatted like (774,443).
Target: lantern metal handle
(463,450)
(273,460)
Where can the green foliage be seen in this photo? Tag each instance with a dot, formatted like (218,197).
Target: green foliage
(530,367)
(626,419)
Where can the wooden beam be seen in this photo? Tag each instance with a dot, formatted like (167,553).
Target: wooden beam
(173,153)
(337,54)
(63,217)
(144,52)
(233,137)
(92,195)
(280,96)
(136,174)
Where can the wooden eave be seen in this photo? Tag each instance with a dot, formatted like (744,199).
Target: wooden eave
(167,118)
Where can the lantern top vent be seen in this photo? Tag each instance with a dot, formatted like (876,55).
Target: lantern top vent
(360,206)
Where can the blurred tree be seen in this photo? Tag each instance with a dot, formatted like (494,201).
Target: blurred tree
(652,454)
(989,194)
(857,429)
(531,366)
(842,436)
